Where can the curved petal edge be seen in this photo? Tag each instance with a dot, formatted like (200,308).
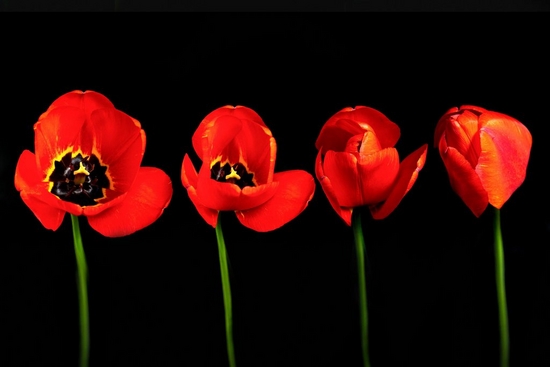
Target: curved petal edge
(328,189)
(295,190)
(408,173)
(144,203)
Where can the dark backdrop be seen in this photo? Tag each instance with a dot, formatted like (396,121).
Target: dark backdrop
(155,296)
(277,5)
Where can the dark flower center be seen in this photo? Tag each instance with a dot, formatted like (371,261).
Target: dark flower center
(79,180)
(235,174)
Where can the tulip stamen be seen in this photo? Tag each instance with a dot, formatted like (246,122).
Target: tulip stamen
(235,174)
(80,180)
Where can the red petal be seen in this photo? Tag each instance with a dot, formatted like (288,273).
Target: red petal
(408,173)
(256,149)
(215,136)
(28,180)
(377,173)
(57,133)
(49,216)
(479,110)
(369,143)
(34,192)
(464,179)
(146,200)
(189,176)
(87,101)
(505,149)
(209,215)
(118,143)
(326,185)
(366,181)
(26,172)
(239,112)
(462,133)
(442,125)
(227,196)
(239,140)
(336,133)
(189,179)
(245,113)
(364,143)
(341,169)
(199,134)
(295,190)
(387,131)
(63,126)
(112,198)
(348,122)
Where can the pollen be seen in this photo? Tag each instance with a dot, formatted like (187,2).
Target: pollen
(233,174)
(236,174)
(81,171)
(79,179)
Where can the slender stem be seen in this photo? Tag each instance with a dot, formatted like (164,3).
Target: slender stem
(360,248)
(501,293)
(226,294)
(82,293)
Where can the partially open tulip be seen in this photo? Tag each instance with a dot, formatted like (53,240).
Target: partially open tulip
(357,164)
(87,162)
(485,153)
(237,172)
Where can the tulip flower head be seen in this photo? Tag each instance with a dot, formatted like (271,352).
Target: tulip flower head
(237,172)
(357,164)
(87,162)
(485,154)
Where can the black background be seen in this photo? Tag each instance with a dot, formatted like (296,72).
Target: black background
(155,296)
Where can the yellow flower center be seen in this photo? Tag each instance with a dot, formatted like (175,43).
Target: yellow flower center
(233,174)
(79,179)
(236,174)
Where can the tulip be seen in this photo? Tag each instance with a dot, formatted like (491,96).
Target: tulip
(87,163)
(237,174)
(238,152)
(357,164)
(485,154)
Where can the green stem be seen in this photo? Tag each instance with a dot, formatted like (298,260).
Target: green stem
(501,293)
(226,294)
(82,293)
(360,248)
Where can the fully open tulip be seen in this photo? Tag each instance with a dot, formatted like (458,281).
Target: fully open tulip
(87,162)
(237,172)
(485,153)
(357,164)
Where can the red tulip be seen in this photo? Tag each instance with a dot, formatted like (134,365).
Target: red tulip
(485,153)
(237,172)
(357,164)
(87,162)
